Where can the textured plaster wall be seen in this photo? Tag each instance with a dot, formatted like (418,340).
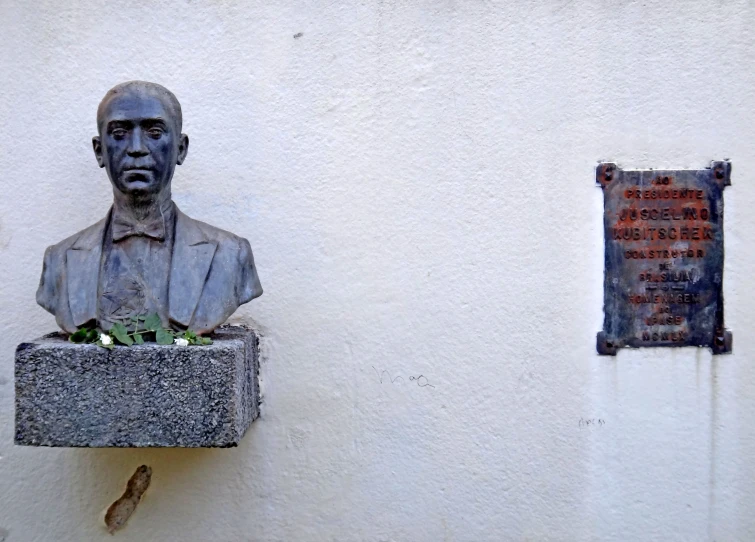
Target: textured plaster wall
(417,182)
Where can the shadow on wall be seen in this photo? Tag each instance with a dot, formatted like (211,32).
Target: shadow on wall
(178,475)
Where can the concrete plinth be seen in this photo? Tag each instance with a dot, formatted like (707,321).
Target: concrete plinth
(138,396)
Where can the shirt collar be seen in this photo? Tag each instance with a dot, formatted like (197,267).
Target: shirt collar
(125,224)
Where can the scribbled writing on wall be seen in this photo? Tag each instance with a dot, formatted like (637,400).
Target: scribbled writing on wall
(385,377)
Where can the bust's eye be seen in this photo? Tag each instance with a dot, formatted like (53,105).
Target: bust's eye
(155,133)
(118,133)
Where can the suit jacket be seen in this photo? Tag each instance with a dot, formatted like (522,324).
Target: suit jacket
(212,272)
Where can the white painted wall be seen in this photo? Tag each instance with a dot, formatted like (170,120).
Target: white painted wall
(417,182)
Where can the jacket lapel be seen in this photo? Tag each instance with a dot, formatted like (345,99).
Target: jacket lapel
(83,273)
(192,255)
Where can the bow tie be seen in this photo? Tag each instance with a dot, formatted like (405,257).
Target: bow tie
(123,227)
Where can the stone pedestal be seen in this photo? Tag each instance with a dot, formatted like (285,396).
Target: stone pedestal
(150,395)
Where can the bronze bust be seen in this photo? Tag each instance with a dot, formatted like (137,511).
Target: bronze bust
(145,256)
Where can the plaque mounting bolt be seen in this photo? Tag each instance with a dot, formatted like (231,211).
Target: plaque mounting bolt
(606,346)
(605,173)
(722,342)
(721,171)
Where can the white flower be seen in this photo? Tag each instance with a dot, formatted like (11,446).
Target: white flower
(181,342)
(106,339)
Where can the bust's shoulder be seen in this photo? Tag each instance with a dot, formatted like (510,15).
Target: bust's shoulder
(223,238)
(87,238)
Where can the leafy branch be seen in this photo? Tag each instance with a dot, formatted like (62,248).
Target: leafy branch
(151,329)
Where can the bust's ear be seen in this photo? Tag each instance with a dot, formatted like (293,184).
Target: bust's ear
(183,148)
(97,146)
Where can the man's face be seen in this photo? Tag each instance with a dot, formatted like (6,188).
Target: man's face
(139,143)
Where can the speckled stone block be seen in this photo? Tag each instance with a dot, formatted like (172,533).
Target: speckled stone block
(138,396)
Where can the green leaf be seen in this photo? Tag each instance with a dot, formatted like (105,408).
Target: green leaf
(93,336)
(152,322)
(190,335)
(79,336)
(163,336)
(120,332)
(108,346)
(138,339)
(206,340)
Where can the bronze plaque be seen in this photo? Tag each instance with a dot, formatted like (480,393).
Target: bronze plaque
(664,259)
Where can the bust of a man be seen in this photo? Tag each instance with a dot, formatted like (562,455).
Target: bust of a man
(145,256)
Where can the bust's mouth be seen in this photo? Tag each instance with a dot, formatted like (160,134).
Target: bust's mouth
(138,178)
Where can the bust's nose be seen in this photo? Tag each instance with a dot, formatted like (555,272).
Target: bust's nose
(136,147)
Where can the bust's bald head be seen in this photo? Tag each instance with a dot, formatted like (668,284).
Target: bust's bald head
(143,89)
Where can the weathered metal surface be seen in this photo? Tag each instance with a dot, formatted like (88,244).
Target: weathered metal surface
(664,242)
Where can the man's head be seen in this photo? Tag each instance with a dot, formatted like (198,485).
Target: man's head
(140,140)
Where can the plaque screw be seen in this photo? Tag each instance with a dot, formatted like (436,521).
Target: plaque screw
(608,175)
(719,172)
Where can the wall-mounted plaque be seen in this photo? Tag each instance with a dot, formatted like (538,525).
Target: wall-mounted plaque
(664,241)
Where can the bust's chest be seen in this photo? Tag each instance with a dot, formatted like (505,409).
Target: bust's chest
(134,280)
